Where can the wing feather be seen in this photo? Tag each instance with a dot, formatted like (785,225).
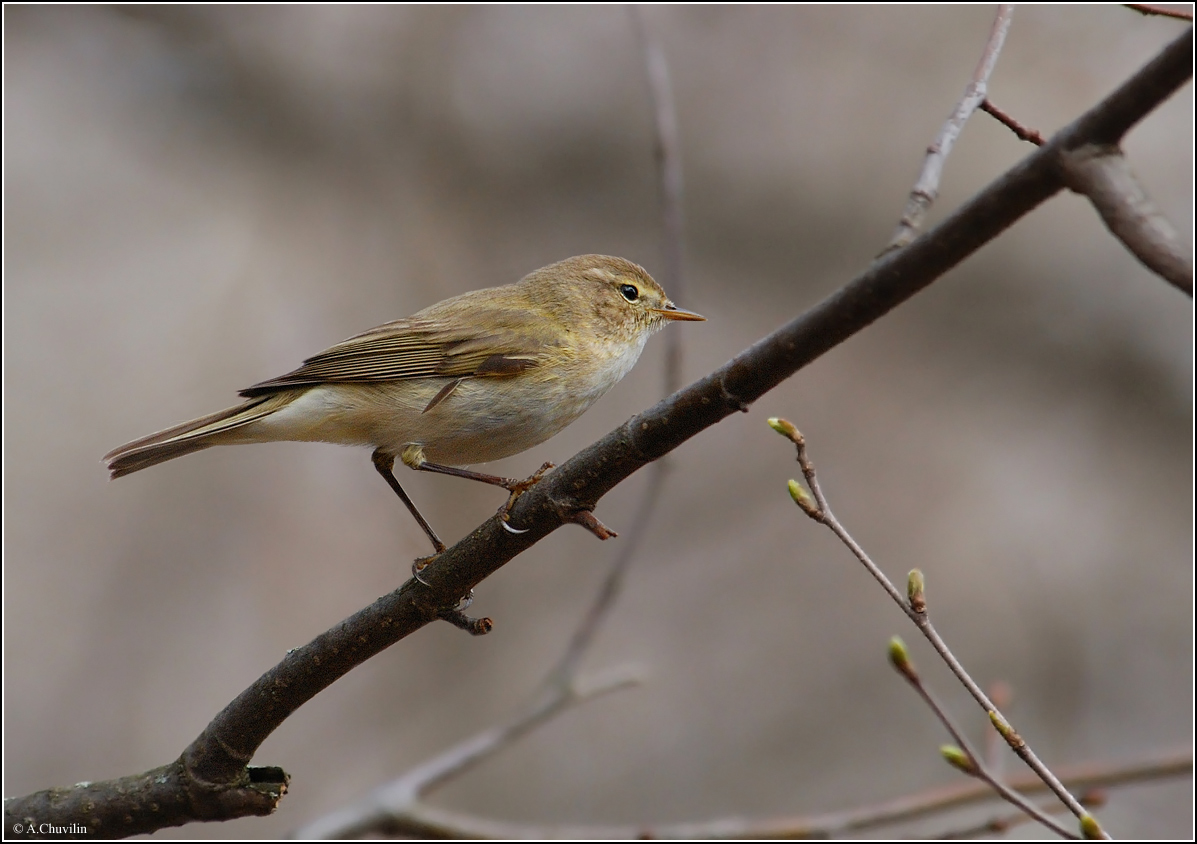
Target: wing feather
(414,348)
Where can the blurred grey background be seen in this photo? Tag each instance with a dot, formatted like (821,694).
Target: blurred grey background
(198,198)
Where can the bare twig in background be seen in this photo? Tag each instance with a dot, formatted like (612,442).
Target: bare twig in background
(1094,799)
(926,188)
(1102,173)
(915,607)
(389,809)
(963,756)
(968,792)
(1162,11)
(216,761)
(425,821)
(668,154)
(1023,133)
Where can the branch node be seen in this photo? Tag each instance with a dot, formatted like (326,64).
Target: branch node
(473,626)
(1023,133)
(587,519)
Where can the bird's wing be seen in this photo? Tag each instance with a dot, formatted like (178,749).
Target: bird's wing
(414,348)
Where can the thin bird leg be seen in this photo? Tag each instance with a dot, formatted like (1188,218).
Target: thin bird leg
(385,464)
(413,456)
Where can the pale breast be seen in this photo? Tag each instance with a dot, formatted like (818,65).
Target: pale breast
(482,419)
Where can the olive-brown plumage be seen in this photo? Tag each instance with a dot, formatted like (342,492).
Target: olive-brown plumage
(474,378)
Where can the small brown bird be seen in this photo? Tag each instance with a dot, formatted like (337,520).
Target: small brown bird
(474,378)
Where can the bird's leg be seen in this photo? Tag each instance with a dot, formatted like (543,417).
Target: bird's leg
(413,456)
(384,462)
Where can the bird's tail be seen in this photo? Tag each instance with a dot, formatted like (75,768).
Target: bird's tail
(195,435)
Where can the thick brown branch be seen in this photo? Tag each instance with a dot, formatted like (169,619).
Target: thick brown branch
(142,803)
(219,755)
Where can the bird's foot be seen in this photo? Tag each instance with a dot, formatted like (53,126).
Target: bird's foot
(518,488)
(420,564)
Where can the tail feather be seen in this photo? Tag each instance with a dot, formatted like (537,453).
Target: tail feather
(187,437)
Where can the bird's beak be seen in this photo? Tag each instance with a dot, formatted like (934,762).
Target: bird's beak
(672,311)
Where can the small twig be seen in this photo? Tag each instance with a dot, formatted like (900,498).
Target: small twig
(473,626)
(1149,9)
(599,610)
(1024,133)
(1003,823)
(926,188)
(390,806)
(963,756)
(669,160)
(1102,173)
(425,821)
(820,511)
(588,520)
(967,792)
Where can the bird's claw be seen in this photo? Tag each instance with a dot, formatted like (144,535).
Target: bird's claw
(518,488)
(419,565)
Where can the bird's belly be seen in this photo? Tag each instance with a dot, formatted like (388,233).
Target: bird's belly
(488,419)
(482,419)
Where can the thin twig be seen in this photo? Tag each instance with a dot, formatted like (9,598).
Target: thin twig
(821,512)
(425,821)
(1094,799)
(968,792)
(388,806)
(1161,11)
(669,157)
(971,763)
(1102,173)
(1024,133)
(926,188)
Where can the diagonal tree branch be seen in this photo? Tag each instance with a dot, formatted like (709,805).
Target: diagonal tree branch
(217,759)
(1102,173)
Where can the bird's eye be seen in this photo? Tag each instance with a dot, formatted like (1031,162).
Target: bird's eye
(629,292)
